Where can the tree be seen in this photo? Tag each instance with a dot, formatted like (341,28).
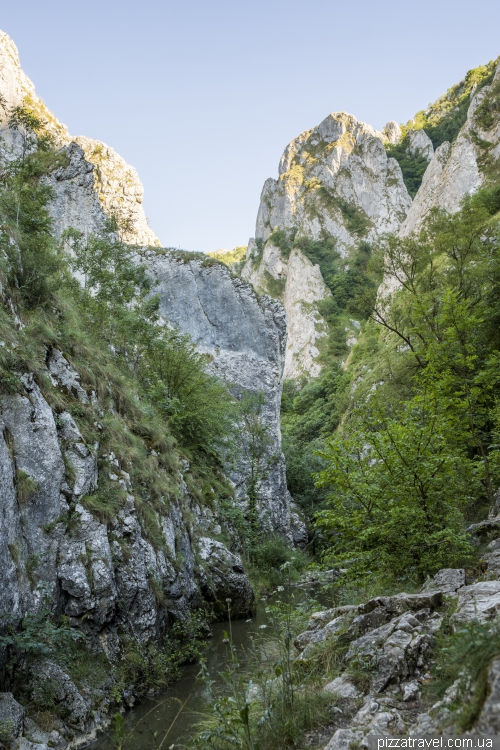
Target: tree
(399,489)
(446,313)
(259,454)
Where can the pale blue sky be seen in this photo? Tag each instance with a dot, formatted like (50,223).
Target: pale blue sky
(202,97)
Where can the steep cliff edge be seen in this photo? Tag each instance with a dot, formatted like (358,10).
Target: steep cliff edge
(244,336)
(96,184)
(460,168)
(335,181)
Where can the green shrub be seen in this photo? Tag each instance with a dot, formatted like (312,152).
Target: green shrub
(283,239)
(465,656)
(413,166)
(269,557)
(26,487)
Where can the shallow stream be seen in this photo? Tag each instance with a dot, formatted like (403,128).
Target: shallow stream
(168,720)
(173,715)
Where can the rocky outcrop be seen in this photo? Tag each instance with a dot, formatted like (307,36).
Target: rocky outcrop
(244,336)
(341,160)
(303,288)
(456,169)
(96,182)
(392,132)
(335,180)
(386,649)
(109,578)
(50,538)
(419,144)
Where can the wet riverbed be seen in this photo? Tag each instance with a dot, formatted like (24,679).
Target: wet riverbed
(168,721)
(172,716)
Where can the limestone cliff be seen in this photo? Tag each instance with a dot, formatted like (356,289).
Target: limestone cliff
(336,181)
(96,184)
(457,169)
(113,579)
(244,336)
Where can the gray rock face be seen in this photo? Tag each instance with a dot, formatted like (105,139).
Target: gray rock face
(325,174)
(245,337)
(11,716)
(419,144)
(76,203)
(106,578)
(95,184)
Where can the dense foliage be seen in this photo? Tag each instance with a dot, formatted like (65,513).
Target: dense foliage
(312,410)
(413,166)
(413,462)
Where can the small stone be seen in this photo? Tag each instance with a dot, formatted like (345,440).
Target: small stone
(342,687)
(411,691)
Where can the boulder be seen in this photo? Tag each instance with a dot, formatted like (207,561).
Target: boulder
(76,709)
(480,601)
(11,716)
(404,602)
(489,718)
(342,687)
(447,580)
(225,582)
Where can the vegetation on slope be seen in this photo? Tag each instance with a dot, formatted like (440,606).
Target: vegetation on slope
(229,257)
(417,454)
(311,410)
(413,166)
(443,119)
(442,122)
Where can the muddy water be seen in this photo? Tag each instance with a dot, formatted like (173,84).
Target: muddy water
(168,721)
(173,715)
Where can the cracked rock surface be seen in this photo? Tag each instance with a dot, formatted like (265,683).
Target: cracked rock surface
(387,646)
(244,337)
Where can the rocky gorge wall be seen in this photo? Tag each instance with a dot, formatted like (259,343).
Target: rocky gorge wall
(110,577)
(244,336)
(335,181)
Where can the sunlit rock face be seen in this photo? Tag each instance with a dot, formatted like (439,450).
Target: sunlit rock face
(97,183)
(335,180)
(456,169)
